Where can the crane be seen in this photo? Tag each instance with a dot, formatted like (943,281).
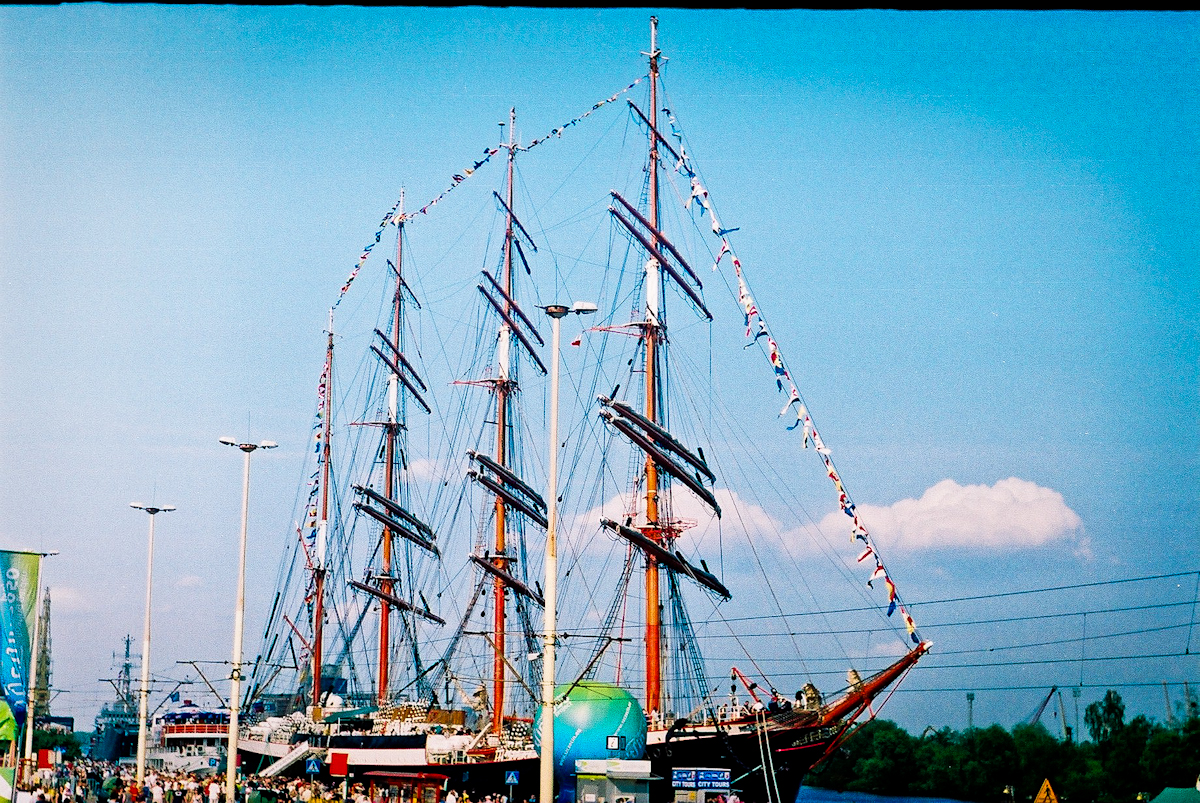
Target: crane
(1037,715)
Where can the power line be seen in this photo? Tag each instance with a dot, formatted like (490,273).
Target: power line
(1110,658)
(1042,687)
(1005,648)
(933,626)
(977,597)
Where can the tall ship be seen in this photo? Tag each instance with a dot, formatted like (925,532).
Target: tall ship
(405,636)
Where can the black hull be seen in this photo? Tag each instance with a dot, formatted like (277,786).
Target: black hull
(793,753)
(114,743)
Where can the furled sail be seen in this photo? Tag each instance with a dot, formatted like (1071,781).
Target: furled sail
(672,560)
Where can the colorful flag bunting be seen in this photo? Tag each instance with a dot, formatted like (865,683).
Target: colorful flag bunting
(752,314)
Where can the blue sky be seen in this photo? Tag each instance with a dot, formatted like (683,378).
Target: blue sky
(974,234)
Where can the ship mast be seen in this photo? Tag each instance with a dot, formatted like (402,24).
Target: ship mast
(392,428)
(319,570)
(41,683)
(505,386)
(652,336)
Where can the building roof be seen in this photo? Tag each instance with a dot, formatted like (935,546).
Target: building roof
(1188,794)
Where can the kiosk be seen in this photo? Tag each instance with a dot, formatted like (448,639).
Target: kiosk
(612,780)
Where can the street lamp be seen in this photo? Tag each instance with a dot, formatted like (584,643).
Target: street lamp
(546,764)
(235,687)
(153,510)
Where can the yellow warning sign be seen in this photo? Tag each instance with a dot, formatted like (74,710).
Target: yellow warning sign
(1046,794)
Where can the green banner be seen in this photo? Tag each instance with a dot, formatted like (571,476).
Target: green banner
(8,725)
(18,612)
(8,791)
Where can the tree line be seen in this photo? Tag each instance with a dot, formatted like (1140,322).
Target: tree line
(1122,761)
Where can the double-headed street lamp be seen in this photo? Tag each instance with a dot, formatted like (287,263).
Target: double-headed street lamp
(235,687)
(153,510)
(546,764)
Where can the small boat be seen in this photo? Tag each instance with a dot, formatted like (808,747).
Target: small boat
(188,738)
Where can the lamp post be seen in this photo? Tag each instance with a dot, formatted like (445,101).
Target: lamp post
(26,765)
(546,763)
(235,686)
(144,692)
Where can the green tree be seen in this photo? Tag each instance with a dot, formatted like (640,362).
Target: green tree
(990,765)
(1040,757)
(1105,717)
(876,758)
(1122,760)
(887,766)
(57,740)
(1172,756)
(1121,756)
(940,758)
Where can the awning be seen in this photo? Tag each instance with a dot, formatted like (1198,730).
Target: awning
(408,776)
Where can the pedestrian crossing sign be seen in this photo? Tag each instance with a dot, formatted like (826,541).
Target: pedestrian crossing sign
(312,766)
(1046,794)
(510,778)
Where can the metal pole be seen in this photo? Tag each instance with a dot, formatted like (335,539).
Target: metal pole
(144,692)
(550,621)
(235,686)
(546,765)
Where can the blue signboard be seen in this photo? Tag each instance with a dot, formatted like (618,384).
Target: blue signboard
(700,779)
(511,776)
(312,766)
(683,779)
(712,779)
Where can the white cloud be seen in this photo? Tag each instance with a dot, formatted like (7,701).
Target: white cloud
(189,581)
(1012,514)
(422,469)
(68,599)
(701,526)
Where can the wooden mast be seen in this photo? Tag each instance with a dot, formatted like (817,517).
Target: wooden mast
(652,335)
(319,569)
(392,427)
(504,387)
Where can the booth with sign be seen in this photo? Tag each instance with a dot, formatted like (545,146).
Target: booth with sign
(612,780)
(405,787)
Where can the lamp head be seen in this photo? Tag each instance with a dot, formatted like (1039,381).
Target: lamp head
(584,307)
(152,509)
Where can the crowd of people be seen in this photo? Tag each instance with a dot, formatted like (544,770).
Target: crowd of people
(102,782)
(87,781)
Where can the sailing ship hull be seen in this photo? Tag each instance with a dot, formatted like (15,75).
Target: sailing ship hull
(788,754)
(739,749)
(479,778)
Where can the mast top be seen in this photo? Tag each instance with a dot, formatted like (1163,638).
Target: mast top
(654,51)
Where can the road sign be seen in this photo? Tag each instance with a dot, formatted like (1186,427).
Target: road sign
(1046,794)
(312,766)
(511,776)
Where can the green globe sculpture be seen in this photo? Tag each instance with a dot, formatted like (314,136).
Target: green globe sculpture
(591,720)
